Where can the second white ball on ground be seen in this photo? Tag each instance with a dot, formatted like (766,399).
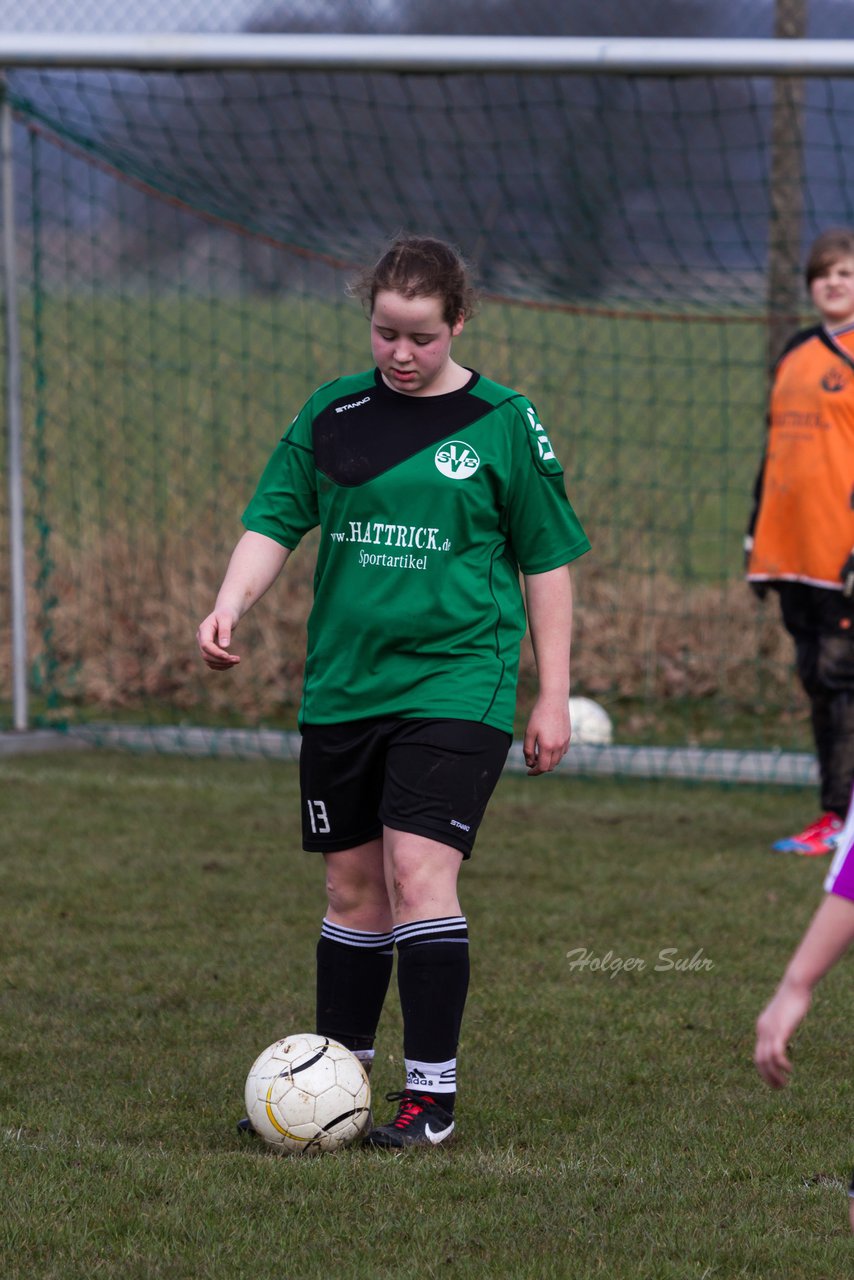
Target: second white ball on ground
(591,724)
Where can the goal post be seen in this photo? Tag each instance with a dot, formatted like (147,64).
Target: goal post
(181,217)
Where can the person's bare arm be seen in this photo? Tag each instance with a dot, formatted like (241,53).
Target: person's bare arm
(255,564)
(828,936)
(549,601)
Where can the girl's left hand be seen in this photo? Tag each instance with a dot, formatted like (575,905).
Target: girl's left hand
(547,736)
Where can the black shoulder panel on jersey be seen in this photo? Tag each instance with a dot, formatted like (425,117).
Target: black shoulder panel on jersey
(356,440)
(828,340)
(798,339)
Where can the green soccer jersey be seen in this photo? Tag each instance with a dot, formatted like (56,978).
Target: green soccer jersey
(428,507)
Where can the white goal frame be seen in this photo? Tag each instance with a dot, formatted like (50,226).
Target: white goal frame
(298,52)
(618,55)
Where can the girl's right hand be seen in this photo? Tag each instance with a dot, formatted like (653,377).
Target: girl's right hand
(214,637)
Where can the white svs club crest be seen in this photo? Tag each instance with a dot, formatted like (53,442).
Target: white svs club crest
(457,460)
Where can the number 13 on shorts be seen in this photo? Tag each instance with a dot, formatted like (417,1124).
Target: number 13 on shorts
(318,817)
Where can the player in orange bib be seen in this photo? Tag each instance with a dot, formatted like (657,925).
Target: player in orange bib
(800,540)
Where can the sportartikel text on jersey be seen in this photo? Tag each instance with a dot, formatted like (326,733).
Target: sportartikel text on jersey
(428,508)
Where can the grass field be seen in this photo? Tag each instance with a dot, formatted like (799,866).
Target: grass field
(158,929)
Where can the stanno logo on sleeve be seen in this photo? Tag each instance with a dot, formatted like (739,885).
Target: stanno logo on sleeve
(457,460)
(543,443)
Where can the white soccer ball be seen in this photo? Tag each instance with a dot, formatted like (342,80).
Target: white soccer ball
(306,1094)
(591,724)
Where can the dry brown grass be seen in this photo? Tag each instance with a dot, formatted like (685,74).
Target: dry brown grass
(653,637)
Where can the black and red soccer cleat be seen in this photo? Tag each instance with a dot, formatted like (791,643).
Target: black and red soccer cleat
(420,1122)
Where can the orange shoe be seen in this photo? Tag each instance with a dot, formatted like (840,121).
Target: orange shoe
(814,841)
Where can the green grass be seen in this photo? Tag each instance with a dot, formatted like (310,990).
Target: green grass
(158,929)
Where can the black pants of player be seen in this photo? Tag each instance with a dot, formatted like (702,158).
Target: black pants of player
(821,623)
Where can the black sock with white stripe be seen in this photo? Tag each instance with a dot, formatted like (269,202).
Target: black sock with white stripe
(353,973)
(433,979)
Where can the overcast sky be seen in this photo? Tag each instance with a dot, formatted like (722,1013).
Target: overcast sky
(826,18)
(125,15)
(231,15)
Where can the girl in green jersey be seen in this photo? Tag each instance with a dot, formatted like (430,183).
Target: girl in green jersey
(434,489)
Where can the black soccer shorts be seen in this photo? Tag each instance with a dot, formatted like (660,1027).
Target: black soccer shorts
(430,777)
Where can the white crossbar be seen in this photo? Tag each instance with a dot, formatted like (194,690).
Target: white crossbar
(431,53)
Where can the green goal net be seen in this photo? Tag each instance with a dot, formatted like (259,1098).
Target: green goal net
(184,244)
